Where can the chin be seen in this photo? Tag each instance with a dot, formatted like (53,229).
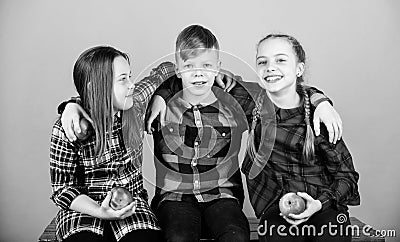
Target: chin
(273,88)
(125,106)
(200,91)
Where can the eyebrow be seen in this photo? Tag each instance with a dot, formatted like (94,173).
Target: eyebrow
(124,74)
(274,55)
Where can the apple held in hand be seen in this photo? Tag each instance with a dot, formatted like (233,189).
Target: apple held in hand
(120,198)
(86,129)
(291,203)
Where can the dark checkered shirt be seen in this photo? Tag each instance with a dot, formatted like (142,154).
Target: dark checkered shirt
(329,177)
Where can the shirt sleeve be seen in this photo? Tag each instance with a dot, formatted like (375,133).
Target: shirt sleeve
(61,106)
(145,88)
(316,96)
(63,168)
(339,163)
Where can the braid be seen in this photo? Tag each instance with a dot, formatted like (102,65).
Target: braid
(308,148)
(251,149)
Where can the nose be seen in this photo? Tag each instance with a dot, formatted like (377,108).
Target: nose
(131,83)
(198,72)
(131,86)
(270,67)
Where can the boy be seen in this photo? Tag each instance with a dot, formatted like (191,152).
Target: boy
(196,153)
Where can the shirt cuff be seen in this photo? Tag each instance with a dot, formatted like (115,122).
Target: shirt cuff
(65,198)
(164,70)
(318,98)
(61,107)
(326,200)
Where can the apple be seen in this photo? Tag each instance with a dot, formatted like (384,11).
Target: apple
(86,130)
(291,203)
(120,198)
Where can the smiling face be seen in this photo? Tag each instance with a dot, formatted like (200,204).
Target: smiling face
(198,74)
(122,85)
(278,66)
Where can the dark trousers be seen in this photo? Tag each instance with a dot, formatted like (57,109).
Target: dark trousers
(142,235)
(328,225)
(185,220)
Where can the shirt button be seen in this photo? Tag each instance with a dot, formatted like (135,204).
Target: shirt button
(223,134)
(171,130)
(196,143)
(198,121)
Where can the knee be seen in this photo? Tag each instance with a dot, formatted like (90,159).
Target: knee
(234,233)
(182,237)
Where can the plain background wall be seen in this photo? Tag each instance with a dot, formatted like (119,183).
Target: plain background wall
(353,51)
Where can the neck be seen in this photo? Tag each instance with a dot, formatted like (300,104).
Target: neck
(204,100)
(286,99)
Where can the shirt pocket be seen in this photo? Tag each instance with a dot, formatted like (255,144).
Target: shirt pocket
(219,145)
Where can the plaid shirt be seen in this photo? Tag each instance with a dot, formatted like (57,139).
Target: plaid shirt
(74,170)
(190,164)
(196,152)
(330,177)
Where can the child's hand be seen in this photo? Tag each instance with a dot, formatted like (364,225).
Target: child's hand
(326,114)
(158,107)
(70,120)
(312,206)
(107,213)
(231,80)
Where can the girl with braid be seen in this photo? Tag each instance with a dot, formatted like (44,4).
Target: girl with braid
(285,156)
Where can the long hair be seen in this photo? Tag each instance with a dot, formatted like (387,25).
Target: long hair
(93,76)
(308,148)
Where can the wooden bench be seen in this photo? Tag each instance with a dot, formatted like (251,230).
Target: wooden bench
(49,233)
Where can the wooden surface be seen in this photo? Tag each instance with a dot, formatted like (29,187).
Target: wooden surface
(49,233)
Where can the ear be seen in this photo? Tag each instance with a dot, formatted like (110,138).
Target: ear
(300,69)
(178,74)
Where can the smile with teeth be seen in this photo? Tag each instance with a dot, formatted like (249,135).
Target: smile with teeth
(272,79)
(199,83)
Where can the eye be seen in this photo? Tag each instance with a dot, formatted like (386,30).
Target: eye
(207,65)
(188,66)
(280,60)
(261,62)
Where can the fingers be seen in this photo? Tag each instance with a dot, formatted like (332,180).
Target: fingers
(149,121)
(304,215)
(340,126)
(106,201)
(229,81)
(336,130)
(293,221)
(87,117)
(235,81)
(232,84)
(128,210)
(162,116)
(316,122)
(219,80)
(331,132)
(68,129)
(76,124)
(297,221)
(305,196)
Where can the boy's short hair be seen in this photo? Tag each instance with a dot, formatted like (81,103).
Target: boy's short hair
(193,40)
